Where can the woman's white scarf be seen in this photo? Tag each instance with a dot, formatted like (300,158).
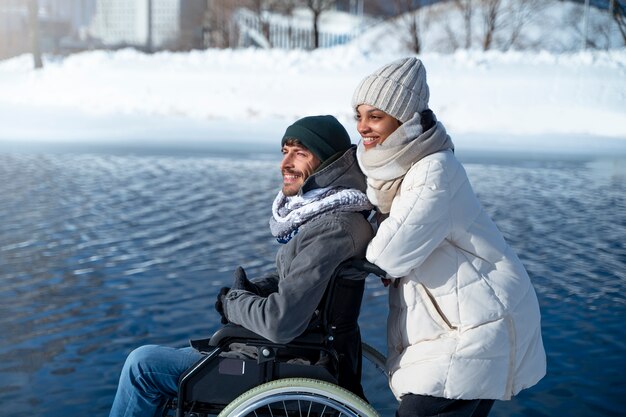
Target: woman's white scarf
(289,213)
(386,164)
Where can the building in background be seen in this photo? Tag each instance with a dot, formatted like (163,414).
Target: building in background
(67,26)
(149,24)
(59,21)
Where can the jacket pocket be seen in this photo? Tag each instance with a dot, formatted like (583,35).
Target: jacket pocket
(433,308)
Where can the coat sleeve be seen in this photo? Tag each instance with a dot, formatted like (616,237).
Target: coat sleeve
(285,314)
(418,222)
(267,284)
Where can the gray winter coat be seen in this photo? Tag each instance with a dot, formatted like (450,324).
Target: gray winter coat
(306,264)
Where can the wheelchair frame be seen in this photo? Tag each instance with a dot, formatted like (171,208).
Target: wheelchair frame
(289,396)
(269,384)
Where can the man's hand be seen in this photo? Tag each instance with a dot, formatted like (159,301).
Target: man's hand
(241,282)
(219,304)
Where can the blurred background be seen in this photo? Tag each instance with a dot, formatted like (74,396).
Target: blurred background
(139,160)
(67,26)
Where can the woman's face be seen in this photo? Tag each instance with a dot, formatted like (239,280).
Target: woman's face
(374,125)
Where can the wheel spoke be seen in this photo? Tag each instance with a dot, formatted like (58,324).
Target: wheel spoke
(324,399)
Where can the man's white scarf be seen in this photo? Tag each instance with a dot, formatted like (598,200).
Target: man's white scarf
(386,164)
(289,213)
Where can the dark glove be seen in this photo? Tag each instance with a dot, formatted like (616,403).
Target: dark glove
(427,119)
(219,304)
(241,282)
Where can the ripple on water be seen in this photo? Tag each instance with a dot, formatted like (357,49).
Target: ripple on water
(102,253)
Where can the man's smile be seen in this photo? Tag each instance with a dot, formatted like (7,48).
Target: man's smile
(290,177)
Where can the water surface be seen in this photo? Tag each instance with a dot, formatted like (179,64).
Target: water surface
(103,252)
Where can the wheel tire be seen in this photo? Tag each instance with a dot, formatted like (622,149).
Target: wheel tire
(375,382)
(374,356)
(306,390)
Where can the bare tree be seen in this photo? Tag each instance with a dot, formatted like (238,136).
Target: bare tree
(619,16)
(407,11)
(317,7)
(33,20)
(598,35)
(219,30)
(287,8)
(491,9)
(263,8)
(516,16)
(505,21)
(466,7)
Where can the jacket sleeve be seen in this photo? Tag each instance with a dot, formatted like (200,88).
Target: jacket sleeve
(285,314)
(418,222)
(267,284)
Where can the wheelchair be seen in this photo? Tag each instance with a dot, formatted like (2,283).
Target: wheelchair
(243,374)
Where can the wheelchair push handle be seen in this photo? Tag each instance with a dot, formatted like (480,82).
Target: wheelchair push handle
(366,266)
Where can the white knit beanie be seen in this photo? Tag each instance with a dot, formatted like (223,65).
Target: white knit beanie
(399,89)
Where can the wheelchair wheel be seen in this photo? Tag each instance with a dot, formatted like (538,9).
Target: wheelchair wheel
(298,397)
(376,383)
(374,356)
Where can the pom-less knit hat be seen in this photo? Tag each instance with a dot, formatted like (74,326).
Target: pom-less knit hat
(399,89)
(322,135)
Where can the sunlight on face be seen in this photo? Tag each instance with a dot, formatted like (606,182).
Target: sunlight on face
(374,125)
(297,165)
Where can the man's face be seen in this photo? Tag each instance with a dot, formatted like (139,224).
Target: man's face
(297,165)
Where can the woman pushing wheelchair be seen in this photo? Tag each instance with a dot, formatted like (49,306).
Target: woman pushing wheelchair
(464,325)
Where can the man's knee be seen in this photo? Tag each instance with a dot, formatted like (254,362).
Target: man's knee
(156,369)
(141,359)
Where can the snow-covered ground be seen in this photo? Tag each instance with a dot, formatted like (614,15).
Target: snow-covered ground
(532,101)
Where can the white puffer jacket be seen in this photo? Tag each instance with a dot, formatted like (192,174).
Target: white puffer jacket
(464,321)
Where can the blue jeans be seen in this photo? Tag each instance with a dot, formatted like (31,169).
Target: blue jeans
(149,378)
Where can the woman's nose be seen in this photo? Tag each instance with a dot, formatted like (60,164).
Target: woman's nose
(361,126)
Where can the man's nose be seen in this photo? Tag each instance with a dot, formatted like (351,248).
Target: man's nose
(287,161)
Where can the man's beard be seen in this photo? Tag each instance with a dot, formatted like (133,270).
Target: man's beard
(292,189)
(289,191)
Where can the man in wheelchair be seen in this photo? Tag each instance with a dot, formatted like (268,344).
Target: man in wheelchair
(320,217)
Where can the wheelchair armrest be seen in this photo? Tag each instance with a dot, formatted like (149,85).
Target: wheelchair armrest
(233,333)
(366,266)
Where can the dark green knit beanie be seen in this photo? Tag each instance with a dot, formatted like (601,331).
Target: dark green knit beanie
(322,135)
